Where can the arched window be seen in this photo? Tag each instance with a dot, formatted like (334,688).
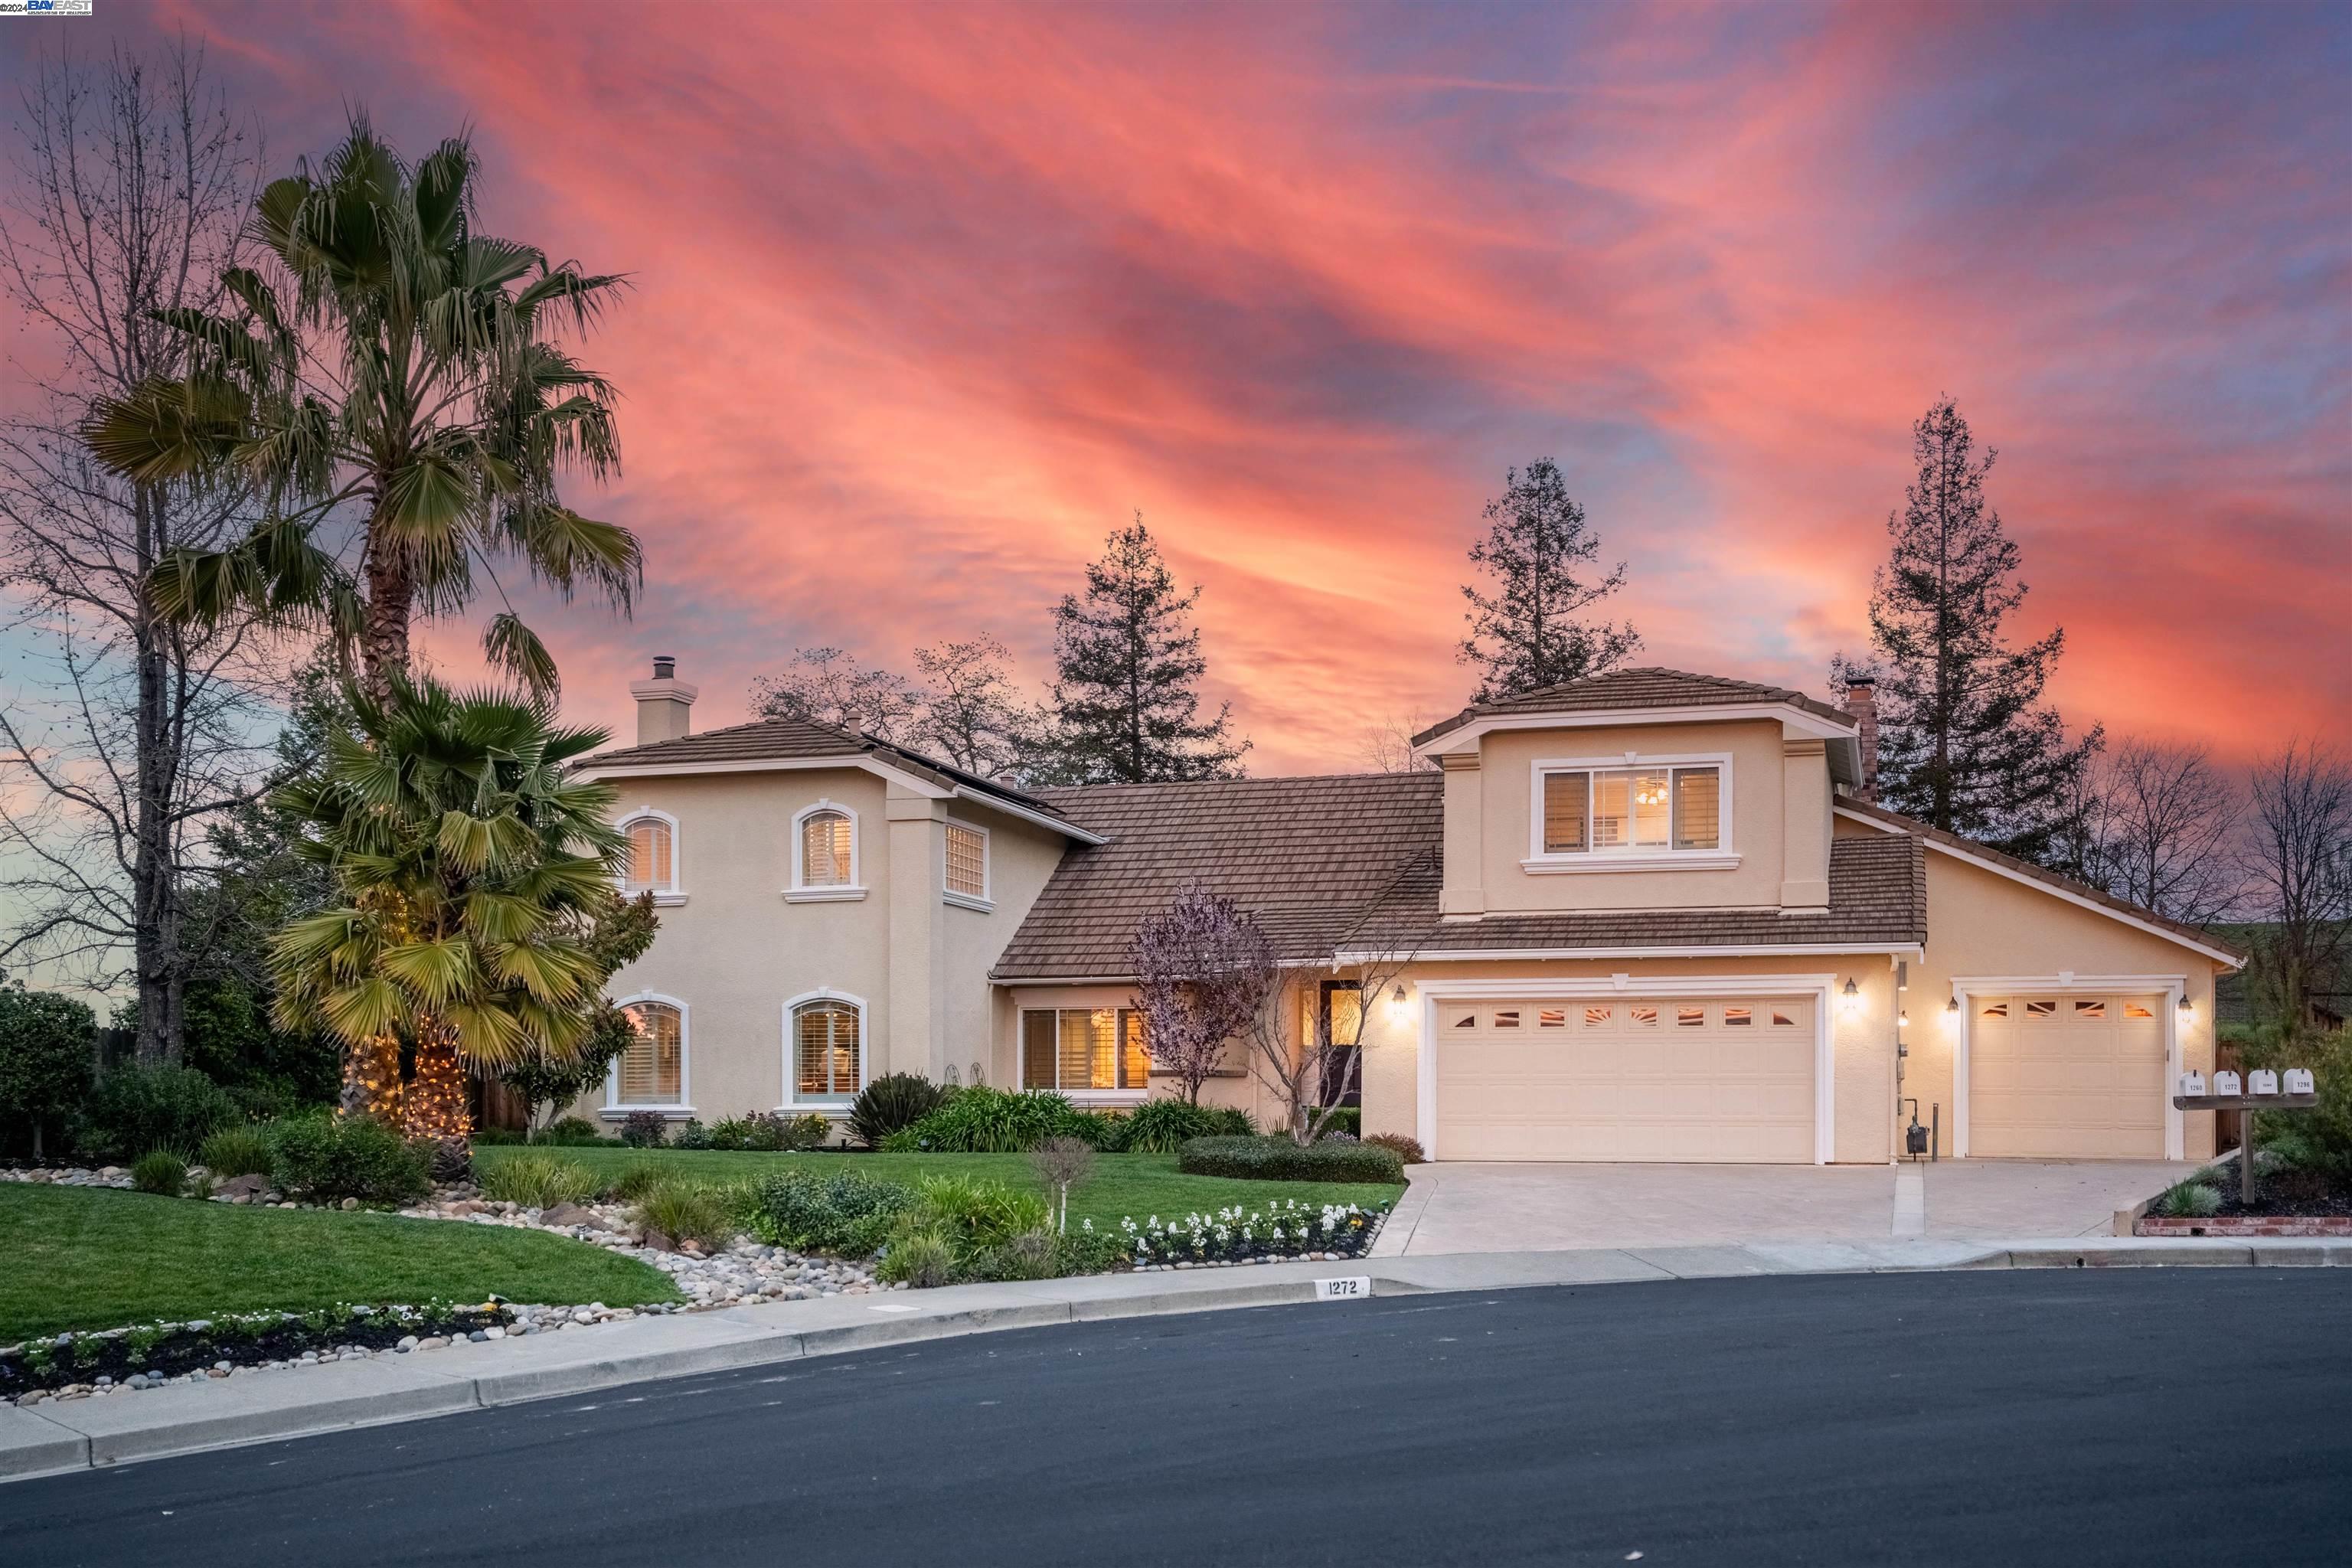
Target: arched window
(828,840)
(827,1051)
(652,866)
(651,1073)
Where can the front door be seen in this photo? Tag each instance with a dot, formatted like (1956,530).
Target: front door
(1339,1023)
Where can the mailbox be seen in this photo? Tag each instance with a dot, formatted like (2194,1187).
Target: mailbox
(2262,1081)
(2193,1083)
(2298,1080)
(2226,1083)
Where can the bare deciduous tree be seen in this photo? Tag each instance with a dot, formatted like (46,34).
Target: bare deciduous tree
(132,177)
(2158,829)
(1204,972)
(1387,747)
(2299,867)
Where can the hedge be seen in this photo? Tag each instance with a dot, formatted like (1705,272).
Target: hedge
(1280,1160)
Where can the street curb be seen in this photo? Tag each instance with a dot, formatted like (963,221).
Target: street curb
(99,1433)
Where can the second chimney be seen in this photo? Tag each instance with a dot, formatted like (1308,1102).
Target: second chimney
(1861,701)
(664,703)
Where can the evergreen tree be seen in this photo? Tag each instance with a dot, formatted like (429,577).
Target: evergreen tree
(1127,663)
(1965,742)
(1525,635)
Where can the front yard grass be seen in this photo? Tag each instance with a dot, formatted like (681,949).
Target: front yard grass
(1123,1185)
(82,1257)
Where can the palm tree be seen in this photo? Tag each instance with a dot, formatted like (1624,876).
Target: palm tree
(468,867)
(399,366)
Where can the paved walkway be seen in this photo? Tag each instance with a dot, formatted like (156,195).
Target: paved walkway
(1472,1207)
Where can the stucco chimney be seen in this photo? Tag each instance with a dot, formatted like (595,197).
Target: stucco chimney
(664,703)
(1861,701)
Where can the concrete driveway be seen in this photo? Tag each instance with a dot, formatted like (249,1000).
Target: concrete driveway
(1471,1207)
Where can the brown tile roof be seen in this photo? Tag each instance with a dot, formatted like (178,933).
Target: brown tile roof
(1351,862)
(1650,686)
(1914,829)
(783,740)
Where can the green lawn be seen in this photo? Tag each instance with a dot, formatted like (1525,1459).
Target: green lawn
(81,1258)
(1140,1186)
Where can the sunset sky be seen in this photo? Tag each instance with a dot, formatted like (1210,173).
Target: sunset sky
(928,298)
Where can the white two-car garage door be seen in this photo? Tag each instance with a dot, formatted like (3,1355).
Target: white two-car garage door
(2066,1077)
(1701,1079)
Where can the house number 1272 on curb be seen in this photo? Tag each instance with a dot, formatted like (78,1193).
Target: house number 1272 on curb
(1355,1287)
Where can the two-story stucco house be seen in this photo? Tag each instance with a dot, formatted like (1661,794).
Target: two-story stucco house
(1645,916)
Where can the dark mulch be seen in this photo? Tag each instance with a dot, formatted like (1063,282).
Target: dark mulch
(242,1340)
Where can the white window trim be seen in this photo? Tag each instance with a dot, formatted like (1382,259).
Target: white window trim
(792,1078)
(1542,862)
(1078,1097)
(670,894)
(615,1108)
(2125,987)
(986,899)
(801,893)
(1665,987)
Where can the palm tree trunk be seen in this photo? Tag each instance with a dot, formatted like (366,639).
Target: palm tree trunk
(384,629)
(371,1080)
(436,1106)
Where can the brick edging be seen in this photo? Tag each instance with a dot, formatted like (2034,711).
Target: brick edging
(2309,1225)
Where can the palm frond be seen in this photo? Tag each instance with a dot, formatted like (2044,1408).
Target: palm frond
(508,645)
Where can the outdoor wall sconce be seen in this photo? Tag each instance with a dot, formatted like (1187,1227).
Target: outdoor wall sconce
(1902,1018)
(1851,997)
(1396,1003)
(2185,1007)
(1952,1008)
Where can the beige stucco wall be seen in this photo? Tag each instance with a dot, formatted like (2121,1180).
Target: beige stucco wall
(738,950)
(1982,924)
(1504,811)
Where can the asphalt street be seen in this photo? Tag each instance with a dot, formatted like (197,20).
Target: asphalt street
(2129,1416)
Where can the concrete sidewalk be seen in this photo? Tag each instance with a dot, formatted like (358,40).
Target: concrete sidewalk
(181,1419)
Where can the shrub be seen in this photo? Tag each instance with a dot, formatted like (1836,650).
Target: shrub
(1031,1255)
(327,1159)
(1280,1160)
(922,1259)
(571,1129)
(691,1134)
(45,1056)
(637,1179)
(1280,1230)
(1406,1149)
(538,1181)
(687,1211)
(891,1101)
(645,1130)
(976,1216)
(2191,1199)
(1164,1126)
(983,1121)
(766,1132)
(1348,1119)
(2319,1139)
(237,1152)
(843,1212)
(135,1109)
(160,1171)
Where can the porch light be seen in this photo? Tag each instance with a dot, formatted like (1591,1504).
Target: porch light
(1902,1018)
(1851,997)
(1952,1007)
(2185,1007)
(1396,1003)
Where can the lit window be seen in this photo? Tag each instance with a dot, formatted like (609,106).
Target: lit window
(1091,1048)
(1651,810)
(1996,1010)
(2041,1009)
(824,849)
(2090,1009)
(1643,1014)
(1467,1021)
(1594,1017)
(2133,1010)
(652,1070)
(652,861)
(1551,1018)
(967,861)
(824,1051)
(1738,1018)
(1689,1017)
(1781,1020)
(1506,1020)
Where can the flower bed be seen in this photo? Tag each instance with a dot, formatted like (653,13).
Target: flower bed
(1279,1232)
(163,1352)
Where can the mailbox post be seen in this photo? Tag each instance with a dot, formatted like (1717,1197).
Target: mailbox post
(2246,1143)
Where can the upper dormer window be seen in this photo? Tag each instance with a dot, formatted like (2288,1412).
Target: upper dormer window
(650,863)
(967,865)
(1666,811)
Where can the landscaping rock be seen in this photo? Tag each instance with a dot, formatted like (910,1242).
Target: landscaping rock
(564,1215)
(247,1187)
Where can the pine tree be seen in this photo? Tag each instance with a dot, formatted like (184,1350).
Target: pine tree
(1127,663)
(1966,743)
(1525,635)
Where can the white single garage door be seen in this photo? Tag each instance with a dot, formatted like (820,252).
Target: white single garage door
(1699,1079)
(2066,1077)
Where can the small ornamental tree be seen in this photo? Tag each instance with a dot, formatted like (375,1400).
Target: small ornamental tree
(617,935)
(1205,970)
(46,1044)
